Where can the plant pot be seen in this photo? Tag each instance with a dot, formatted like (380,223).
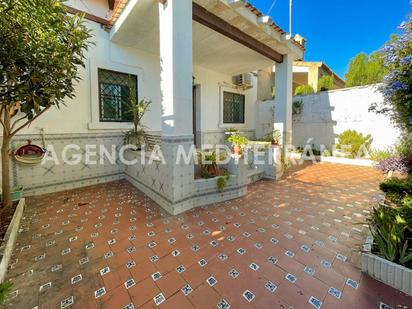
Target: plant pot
(236,149)
(392,274)
(213,169)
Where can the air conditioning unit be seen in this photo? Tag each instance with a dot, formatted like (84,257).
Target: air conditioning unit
(243,81)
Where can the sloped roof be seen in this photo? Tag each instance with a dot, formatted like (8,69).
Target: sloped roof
(258,13)
(121,4)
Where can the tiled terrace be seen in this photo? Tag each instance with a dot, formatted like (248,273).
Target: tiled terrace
(287,243)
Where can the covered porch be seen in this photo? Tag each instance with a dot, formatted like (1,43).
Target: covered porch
(207,51)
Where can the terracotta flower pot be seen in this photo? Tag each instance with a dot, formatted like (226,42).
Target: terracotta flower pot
(213,169)
(236,149)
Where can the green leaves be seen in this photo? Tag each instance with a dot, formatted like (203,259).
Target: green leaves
(391,232)
(326,83)
(354,143)
(5,289)
(304,89)
(41,51)
(365,70)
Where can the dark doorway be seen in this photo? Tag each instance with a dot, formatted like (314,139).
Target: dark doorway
(194,115)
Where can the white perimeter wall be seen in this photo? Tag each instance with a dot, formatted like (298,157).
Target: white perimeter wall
(327,114)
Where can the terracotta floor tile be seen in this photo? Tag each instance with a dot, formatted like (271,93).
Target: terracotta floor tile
(117,298)
(195,275)
(143,292)
(143,270)
(204,297)
(170,283)
(177,301)
(167,264)
(279,227)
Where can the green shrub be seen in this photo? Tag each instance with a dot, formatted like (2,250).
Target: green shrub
(238,139)
(297,107)
(404,150)
(381,154)
(390,230)
(365,70)
(304,89)
(351,141)
(5,289)
(398,186)
(407,201)
(222,181)
(326,82)
(326,153)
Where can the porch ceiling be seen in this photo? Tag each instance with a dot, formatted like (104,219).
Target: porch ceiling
(211,50)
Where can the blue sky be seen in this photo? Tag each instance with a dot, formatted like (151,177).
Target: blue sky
(338,30)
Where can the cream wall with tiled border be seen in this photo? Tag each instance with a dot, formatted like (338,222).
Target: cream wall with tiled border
(52,176)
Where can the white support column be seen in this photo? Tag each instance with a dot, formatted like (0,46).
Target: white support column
(283,99)
(175,33)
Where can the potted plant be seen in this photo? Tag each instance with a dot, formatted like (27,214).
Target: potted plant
(274,137)
(136,135)
(238,142)
(230,131)
(209,162)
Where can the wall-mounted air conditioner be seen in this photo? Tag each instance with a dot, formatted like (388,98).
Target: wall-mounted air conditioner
(243,81)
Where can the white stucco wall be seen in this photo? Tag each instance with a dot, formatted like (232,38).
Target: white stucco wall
(81,114)
(98,8)
(212,85)
(264,117)
(327,114)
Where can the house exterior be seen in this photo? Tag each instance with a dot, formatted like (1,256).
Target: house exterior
(186,57)
(309,73)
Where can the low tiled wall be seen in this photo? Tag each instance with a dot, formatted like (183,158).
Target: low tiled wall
(157,182)
(218,137)
(50,176)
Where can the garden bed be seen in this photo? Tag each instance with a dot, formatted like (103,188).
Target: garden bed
(6,215)
(392,274)
(332,159)
(12,222)
(350,161)
(387,252)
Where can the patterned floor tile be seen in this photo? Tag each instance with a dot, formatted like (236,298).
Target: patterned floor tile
(285,244)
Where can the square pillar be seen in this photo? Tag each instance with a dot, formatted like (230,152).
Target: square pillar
(175,32)
(283,98)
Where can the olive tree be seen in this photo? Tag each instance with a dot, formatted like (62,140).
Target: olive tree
(41,50)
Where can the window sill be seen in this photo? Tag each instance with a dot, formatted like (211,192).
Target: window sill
(232,125)
(110,125)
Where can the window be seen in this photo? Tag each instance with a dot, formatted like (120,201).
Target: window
(116,90)
(233,107)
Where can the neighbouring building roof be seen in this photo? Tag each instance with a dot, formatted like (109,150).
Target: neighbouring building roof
(322,65)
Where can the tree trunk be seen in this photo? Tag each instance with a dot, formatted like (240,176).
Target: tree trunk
(5,170)
(5,160)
